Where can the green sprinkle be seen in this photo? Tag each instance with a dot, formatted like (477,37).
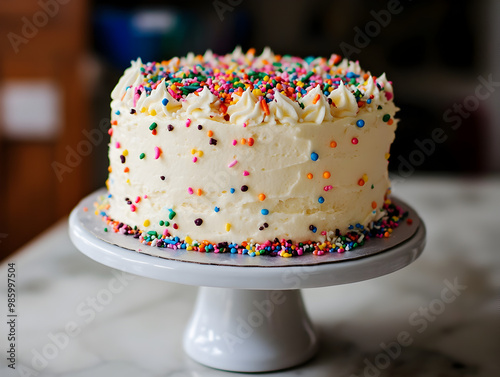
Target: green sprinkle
(105,229)
(153,126)
(142,155)
(161,222)
(386,117)
(153,233)
(172,214)
(167,223)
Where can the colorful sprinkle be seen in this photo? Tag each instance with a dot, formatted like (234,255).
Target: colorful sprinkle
(232,163)
(157,153)
(354,140)
(326,174)
(142,155)
(262,197)
(360,123)
(264,211)
(333,144)
(314,156)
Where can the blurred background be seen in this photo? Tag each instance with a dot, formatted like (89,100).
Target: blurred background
(60,59)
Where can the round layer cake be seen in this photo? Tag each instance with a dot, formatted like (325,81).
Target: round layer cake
(243,149)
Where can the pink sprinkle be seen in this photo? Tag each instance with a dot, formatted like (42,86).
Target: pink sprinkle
(388,95)
(117,144)
(190,191)
(132,208)
(188,122)
(323,233)
(165,232)
(244,124)
(138,199)
(327,188)
(232,163)
(235,142)
(195,159)
(245,173)
(157,153)
(145,196)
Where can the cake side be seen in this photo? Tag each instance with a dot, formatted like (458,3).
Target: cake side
(253,164)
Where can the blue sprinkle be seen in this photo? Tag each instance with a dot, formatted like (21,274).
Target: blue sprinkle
(314,230)
(216,209)
(368,101)
(264,211)
(321,199)
(360,123)
(164,101)
(314,156)
(233,251)
(117,112)
(232,190)
(252,254)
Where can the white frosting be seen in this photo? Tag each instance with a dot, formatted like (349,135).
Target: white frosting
(258,148)
(344,101)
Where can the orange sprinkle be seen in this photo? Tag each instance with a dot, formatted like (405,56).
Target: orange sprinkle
(250,141)
(333,144)
(126,170)
(365,76)
(390,121)
(114,122)
(374,205)
(85,209)
(361,182)
(309,176)
(264,106)
(243,140)
(326,175)
(223,108)
(210,133)
(316,99)
(262,197)
(251,51)
(110,169)
(199,192)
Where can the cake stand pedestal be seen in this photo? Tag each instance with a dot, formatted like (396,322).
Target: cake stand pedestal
(249,315)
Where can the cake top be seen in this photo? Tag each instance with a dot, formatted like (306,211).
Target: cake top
(245,88)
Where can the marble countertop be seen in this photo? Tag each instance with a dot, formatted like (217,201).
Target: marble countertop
(439,316)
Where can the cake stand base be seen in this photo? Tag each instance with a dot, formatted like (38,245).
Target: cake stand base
(250,330)
(249,315)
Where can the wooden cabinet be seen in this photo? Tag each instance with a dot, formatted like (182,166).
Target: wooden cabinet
(42,42)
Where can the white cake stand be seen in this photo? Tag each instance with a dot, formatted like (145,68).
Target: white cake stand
(249,315)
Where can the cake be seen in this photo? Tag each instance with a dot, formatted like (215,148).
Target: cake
(253,154)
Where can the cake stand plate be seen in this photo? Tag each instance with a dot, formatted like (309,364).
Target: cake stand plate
(249,315)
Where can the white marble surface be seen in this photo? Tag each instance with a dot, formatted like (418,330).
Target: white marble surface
(121,325)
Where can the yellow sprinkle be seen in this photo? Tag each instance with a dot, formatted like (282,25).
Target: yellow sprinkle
(188,240)
(128,181)
(330,88)
(125,152)
(96,212)
(387,155)
(152,112)
(301,84)
(228,227)
(266,78)
(365,178)
(193,151)
(173,87)
(143,110)
(200,153)
(189,248)
(146,223)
